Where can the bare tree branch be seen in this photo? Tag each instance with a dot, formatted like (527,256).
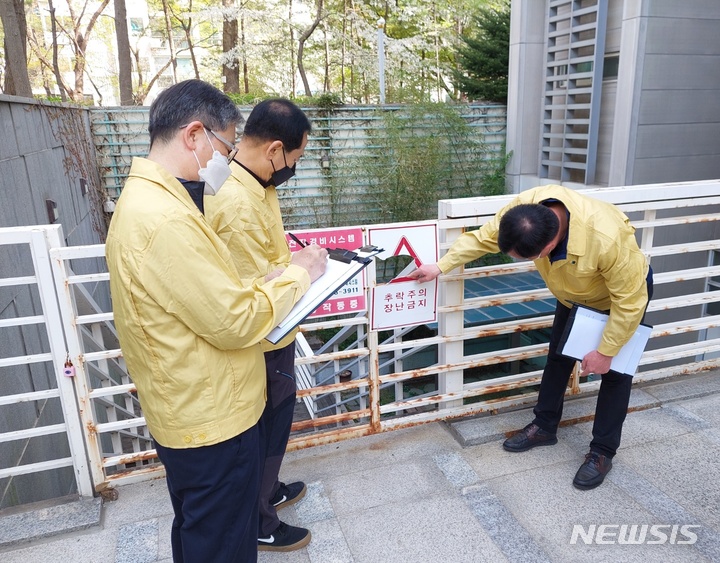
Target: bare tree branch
(301,45)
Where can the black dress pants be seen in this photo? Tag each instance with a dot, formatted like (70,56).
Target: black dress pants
(277,419)
(214,494)
(613,397)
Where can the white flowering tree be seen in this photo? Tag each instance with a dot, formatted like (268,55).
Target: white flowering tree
(255,47)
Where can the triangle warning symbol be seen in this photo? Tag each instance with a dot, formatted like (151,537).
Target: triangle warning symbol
(405,248)
(409,250)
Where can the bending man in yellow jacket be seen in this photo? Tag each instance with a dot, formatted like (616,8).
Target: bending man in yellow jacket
(190,327)
(246,216)
(586,252)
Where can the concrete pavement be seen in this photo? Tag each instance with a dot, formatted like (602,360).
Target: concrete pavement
(449,493)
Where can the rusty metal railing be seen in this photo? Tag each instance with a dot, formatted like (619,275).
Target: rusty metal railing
(485,353)
(685,337)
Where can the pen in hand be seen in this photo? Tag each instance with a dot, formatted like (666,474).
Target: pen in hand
(297,240)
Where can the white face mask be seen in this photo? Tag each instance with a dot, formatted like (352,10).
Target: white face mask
(216,171)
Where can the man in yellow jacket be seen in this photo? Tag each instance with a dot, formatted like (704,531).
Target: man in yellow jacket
(246,215)
(586,252)
(190,327)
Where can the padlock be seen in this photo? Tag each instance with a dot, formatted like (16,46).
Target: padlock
(69,369)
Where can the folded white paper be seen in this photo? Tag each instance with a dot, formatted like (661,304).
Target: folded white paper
(583,334)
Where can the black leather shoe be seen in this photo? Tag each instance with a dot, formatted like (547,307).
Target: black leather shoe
(592,472)
(529,437)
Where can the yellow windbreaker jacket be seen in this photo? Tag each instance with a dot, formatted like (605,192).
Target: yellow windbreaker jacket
(247,218)
(604,268)
(189,327)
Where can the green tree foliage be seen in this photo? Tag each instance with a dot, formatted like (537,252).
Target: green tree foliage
(423,153)
(484,57)
(172,40)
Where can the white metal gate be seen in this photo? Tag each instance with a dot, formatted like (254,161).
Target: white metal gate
(118,442)
(18,457)
(102,417)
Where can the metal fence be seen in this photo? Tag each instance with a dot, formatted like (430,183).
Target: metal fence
(485,353)
(348,163)
(38,401)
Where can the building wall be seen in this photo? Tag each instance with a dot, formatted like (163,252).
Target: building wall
(678,130)
(45,154)
(609,95)
(659,121)
(527,45)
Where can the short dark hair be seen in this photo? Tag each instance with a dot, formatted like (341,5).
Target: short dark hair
(527,229)
(278,119)
(190,100)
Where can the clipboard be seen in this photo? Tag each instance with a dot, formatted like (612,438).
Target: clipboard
(342,266)
(583,334)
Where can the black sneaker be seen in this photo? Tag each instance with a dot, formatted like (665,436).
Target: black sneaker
(285,538)
(288,494)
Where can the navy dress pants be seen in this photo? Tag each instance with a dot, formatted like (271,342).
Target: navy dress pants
(613,397)
(214,492)
(276,419)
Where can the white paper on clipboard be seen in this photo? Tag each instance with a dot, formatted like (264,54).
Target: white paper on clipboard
(336,275)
